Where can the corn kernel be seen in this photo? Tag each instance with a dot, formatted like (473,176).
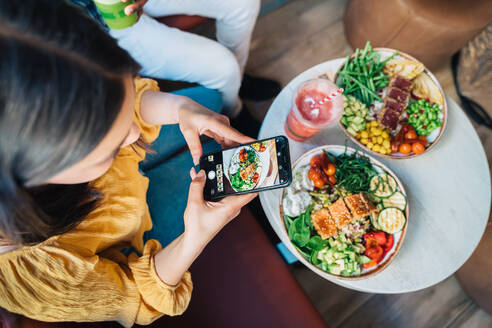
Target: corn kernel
(386,144)
(364,134)
(380,140)
(385,135)
(376,148)
(364,141)
(382,151)
(368,125)
(370,145)
(376,131)
(374,124)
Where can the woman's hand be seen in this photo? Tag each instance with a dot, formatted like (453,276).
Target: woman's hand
(137,6)
(195,120)
(161,108)
(203,220)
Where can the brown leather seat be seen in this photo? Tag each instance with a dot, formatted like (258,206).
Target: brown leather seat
(239,281)
(430,30)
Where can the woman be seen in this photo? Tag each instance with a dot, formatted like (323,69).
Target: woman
(74,124)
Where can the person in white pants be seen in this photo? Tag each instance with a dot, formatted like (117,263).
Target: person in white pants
(171,54)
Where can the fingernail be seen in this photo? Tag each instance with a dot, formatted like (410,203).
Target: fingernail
(201,174)
(128,12)
(196,160)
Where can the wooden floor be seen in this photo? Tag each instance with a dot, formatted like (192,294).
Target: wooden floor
(287,41)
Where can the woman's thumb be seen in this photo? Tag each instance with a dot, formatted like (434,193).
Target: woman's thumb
(196,187)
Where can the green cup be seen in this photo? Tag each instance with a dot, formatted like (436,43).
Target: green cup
(113,13)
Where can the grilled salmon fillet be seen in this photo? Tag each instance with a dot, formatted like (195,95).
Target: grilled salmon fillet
(248,171)
(323,223)
(340,213)
(359,205)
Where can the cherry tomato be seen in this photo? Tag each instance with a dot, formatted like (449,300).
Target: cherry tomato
(379,236)
(317,176)
(324,158)
(332,179)
(411,135)
(243,155)
(389,243)
(418,148)
(325,161)
(394,147)
(319,183)
(374,253)
(405,148)
(370,241)
(326,178)
(312,174)
(369,264)
(423,139)
(330,169)
(316,161)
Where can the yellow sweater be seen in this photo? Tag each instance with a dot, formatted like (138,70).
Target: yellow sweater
(82,275)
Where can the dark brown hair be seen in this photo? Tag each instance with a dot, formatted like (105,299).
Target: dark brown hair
(61,88)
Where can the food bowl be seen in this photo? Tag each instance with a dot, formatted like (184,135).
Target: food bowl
(233,166)
(434,136)
(398,237)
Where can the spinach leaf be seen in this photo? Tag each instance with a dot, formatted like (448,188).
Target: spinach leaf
(304,254)
(251,156)
(314,258)
(315,243)
(299,233)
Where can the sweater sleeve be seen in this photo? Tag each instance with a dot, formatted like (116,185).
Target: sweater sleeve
(51,283)
(149,132)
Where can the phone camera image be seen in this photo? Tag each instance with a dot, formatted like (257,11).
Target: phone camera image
(251,166)
(247,168)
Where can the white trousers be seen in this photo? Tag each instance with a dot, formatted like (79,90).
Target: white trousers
(172,54)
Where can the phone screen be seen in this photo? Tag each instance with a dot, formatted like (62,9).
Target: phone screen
(262,165)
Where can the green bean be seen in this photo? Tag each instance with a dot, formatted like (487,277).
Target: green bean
(362,74)
(362,86)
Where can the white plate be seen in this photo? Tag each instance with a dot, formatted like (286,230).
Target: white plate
(398,237)
(434,136)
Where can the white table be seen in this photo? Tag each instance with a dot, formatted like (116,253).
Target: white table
(449,196)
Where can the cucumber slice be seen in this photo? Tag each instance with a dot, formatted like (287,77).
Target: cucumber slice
(391,220)
(396,200)
(382,185)
(374,221)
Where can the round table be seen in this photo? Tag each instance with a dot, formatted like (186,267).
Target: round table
(448,188)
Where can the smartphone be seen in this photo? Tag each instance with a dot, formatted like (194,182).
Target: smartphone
(257,166)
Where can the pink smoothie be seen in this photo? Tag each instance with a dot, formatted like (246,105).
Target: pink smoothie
(312,111)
